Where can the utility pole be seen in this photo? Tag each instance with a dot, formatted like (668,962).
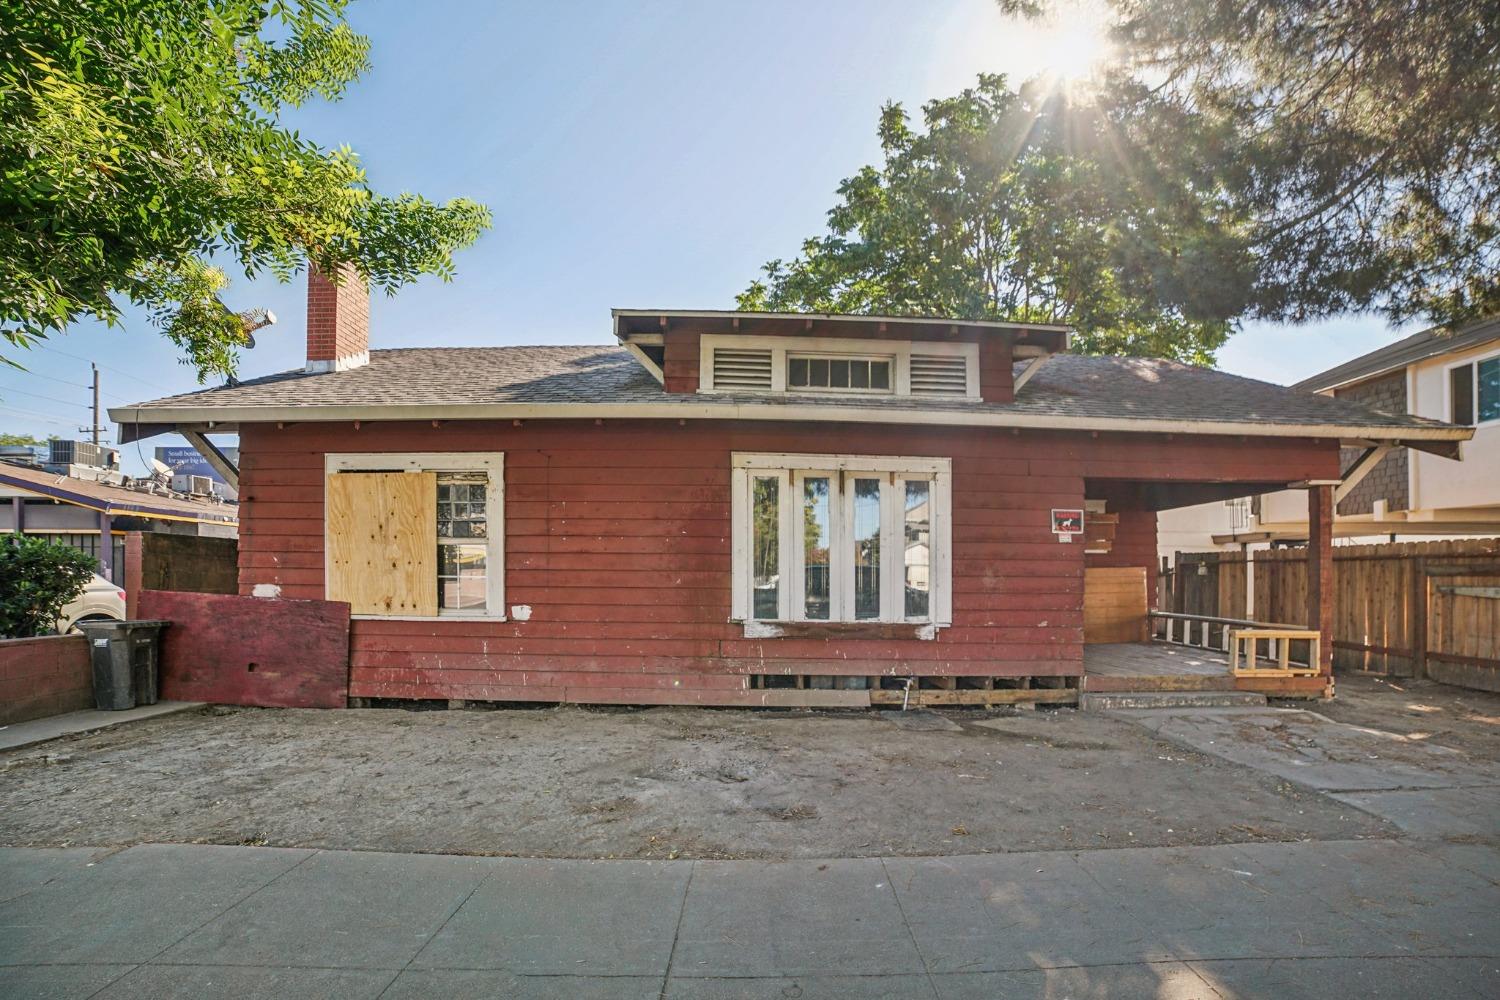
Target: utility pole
(94,430)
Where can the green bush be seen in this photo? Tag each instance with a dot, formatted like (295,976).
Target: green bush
(37,578)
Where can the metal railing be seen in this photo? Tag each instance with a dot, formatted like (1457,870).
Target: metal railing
(1213,633)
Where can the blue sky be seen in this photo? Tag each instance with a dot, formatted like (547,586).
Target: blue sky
(639,155)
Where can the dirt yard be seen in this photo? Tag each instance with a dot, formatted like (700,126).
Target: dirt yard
(1420,710)
(657,783)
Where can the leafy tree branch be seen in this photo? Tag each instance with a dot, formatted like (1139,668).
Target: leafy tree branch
(141,142)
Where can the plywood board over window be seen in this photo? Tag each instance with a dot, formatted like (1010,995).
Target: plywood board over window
(1114,604)
(381,557)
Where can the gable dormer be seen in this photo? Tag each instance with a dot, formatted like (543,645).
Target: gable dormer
(830,357)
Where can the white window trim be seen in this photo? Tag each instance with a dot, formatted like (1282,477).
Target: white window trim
(494,506)
(1474,384)
(832,390)
(898,351)
(790,469)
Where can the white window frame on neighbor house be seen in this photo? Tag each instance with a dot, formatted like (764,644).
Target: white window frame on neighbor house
(898,352)
(790,471)
(1475,361)
(492,463)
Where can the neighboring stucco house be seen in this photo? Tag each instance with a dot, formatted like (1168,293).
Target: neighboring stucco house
(742,508)
(1388,491)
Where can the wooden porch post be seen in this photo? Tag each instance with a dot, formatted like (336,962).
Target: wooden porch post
(1320,570)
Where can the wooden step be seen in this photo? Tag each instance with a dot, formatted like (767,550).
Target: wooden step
(1158,682)
(1115,700)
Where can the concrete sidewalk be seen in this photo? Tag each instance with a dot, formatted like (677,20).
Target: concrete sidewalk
(1329,919)
(1428,791)
(25,734)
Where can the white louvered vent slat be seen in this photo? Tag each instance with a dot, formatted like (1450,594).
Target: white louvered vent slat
(939,375)
(746,369)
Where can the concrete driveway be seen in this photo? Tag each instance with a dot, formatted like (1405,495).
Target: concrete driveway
(1329,919)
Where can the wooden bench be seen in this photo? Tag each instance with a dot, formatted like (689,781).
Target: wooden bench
(1248,637)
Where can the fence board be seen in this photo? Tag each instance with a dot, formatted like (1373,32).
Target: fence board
(1392,612)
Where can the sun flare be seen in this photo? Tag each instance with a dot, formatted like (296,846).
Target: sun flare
(1068,46)
(1074,48)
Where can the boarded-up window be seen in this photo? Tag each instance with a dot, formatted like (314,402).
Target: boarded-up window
(381,531)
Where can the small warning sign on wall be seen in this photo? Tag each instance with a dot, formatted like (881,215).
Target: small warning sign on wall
(1066,524)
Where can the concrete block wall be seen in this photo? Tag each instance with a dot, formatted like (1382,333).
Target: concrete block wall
(48,675)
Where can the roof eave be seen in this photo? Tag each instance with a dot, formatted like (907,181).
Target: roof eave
(1439,439)
(671,314)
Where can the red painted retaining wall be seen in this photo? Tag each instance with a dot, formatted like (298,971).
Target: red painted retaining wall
(48,675)
(233,650)
(617,538)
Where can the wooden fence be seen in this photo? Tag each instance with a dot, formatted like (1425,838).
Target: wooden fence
(1423,609)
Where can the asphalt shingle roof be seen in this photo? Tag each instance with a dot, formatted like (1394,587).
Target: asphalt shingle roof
(1417,347)
(1107,388)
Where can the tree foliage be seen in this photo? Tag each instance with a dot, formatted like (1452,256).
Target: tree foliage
(1359,140)
(1010,205)
(29,441)
(141,141)
(37,579)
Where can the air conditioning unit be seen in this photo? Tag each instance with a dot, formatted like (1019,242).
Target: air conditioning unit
(196,485)
(83,453)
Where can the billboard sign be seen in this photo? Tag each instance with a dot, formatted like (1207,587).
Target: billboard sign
(184,460)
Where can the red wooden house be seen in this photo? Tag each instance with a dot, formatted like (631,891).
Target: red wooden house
(745,508)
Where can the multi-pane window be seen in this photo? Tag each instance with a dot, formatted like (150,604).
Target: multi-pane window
(1474,391)
(838,374)
(841,538)
(416,535)
(462,530)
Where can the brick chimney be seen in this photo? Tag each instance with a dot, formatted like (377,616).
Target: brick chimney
(338,322)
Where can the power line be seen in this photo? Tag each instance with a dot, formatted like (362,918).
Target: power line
(37,395)
(45,418)
(74,385)
(59,381)
(118,371)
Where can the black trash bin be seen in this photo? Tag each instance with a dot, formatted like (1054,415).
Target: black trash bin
(125,655)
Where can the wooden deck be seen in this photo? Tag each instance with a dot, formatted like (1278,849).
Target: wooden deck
(1154,666)
(1159,666)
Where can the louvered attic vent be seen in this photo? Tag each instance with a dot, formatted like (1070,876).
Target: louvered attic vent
(742,369)
(939,375)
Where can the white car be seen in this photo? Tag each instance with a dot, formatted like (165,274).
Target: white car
(100,600)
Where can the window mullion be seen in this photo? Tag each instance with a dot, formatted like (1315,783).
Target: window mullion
(788,551)
(841,558)
(798,588)
(892,552)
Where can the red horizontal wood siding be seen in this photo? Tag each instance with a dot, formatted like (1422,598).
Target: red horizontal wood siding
(680,361)
(996,374)
(1134,545)
(617,538)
